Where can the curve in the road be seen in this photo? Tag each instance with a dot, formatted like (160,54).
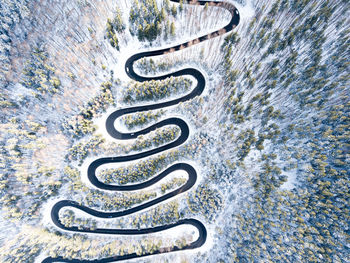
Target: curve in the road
(192,175)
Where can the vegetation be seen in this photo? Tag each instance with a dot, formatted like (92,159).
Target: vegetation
(33,240)
(160,215)
(21,180)
(140,119)
(81,124)
(39,74)
(81,150)
(68,219)
(148,20)
(206,201)
(272,133)
(292,98)
(161,137)
(134,173)
(149,66)
(101,200)
(113,27)
(155,90)
(173,184)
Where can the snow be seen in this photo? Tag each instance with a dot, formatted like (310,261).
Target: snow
(101,127)
(100,122)
(181,21)
(19,92)
(125,53)
(291,181)
(40,258)
(169,233)
(84,178)
(46,211)
(246,10)
(127,50)
(155,187)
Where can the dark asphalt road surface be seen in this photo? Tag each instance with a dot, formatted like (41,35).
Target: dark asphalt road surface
(192,175)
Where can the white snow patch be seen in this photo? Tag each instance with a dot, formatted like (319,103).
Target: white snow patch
(246,10)
(125,53)
(100,122)
(210,239)
(40,258)
(19,92)
(291,181)
(46,211)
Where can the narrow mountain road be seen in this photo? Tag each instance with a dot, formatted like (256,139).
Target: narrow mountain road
(192,175)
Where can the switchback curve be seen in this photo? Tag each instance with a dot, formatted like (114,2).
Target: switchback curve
(192,175)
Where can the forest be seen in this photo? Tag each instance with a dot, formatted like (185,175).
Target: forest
(268,137)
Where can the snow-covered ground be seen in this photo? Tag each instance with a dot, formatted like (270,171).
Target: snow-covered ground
(246,8)
(116,62)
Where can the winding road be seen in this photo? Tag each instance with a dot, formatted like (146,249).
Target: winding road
(192,175)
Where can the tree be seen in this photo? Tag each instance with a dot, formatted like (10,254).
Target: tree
(172,29)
